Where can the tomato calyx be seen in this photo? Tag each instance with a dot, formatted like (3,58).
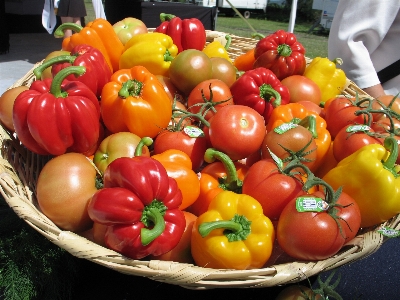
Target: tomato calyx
(326,289)
(236,229)
(204,108)
(331,198)
(231,182)
(131,87)
(300,155)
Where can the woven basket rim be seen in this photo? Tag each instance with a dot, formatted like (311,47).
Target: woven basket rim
(19,169)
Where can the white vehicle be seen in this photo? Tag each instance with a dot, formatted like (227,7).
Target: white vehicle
(328,9)
(245,7)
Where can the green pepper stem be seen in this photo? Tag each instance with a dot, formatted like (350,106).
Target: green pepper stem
(145,141)
(149,235)
(131,87)
(390,144)
(166,17)
(267,92)
(338,61)
(236,229)
(168,56)
(231,182)
(59,33)
(310,122)
(55,60)
(55,87)
(228,41)
(256,35)
(284,50)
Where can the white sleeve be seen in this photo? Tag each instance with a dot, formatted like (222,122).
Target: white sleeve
(98,9)
(357,30)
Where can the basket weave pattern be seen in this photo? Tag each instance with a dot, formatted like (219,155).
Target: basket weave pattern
(19,171)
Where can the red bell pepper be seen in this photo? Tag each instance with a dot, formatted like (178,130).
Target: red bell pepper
(139,204)
(97,73)
(56,116)
(186,33)
(281,53)
(261,90)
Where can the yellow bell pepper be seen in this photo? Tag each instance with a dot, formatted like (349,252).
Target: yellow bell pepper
(154,51)
(216,49)
(330,79)
(232,234)
(370,176)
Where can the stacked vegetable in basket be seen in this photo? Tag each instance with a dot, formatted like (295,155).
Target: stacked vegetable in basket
(164,146)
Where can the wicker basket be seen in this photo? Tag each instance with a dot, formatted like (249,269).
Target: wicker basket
(19,170)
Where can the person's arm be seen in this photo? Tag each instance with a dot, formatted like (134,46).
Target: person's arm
(357,30)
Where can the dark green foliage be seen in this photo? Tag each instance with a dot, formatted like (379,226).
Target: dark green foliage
(31,267)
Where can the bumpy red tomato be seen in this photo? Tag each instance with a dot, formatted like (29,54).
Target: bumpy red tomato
(302,88)
(202,93)
(64,188)
(237,130)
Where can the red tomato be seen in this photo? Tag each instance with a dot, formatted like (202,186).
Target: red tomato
(237,130)
(202,93)
(189,68)
(316,235)
(295,140)
(195,147)
(64,188)
(171,90)
(7,100)
(223,70)
(272,188)
(302,88)
(340,112)
(346,143)
(388,101)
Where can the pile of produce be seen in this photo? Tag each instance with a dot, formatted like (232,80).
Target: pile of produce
(164,147)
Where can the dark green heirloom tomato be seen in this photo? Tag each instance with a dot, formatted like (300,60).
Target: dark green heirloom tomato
(189,68)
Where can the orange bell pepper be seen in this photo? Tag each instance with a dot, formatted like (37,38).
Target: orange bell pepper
(245,61)
(287,113)
(135,100)
(216,177)
(110,39)
(179,166)
(98,34)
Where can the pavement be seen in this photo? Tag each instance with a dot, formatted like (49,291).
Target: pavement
(26,49)
(374,277)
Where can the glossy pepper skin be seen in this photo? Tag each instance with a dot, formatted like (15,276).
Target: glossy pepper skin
(97,73)
(134,100)
(221,174)
(179,166)
(186,33)
(216,49)
(56,116)
(233,234)
(291,111)
(82,35)
(245,61)
(281,53)
(330,79)
(154,51)
(370,176)
(139,204)
(261,90)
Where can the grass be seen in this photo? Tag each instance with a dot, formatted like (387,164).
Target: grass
(316,44)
